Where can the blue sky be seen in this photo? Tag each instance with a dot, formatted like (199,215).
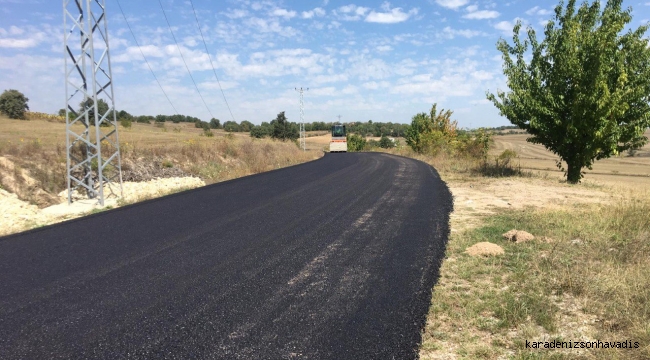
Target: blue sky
(362,59)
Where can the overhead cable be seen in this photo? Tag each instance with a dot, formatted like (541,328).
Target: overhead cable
(144,57)
(183,58)
(211,64)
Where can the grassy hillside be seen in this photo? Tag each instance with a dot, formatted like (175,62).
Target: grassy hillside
(33,155)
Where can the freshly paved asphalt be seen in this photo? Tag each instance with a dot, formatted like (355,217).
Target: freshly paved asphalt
(333,259)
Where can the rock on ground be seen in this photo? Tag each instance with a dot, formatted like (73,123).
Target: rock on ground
(484,249)
(518,236)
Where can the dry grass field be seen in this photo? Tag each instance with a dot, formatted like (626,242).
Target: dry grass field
(620,170)
(33,157)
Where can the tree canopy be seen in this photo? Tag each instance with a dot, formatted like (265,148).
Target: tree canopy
(13,104)
(584,93)
(283,129)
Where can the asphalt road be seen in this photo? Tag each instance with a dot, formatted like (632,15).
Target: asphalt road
(333,259)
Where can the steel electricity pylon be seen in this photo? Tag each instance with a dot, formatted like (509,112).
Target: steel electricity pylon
(303,136)
(94,166)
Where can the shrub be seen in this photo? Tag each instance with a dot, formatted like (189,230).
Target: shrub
(126,123)
(207,133)
(356,143)
(386,143)
(13,104)
(372,144)
(258,132)
(502,165)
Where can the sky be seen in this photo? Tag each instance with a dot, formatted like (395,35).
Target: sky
(361,59)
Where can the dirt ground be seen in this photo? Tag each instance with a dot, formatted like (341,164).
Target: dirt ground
(480,197)
(623,170)
(18,215)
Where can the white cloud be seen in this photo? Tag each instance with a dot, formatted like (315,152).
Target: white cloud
(284,13)
(392,16)
(374,85)
(350,90)
(482,14)
(20,38)
(351,12)
(452,4)
(236,14)
(538,11)
(324,79)
(450,33)
(18,43)
(334,25)
(270,26)
(318,12)
(384,48)
(14,30)
(506,26)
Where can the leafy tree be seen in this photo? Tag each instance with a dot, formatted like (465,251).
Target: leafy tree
(386,143)
(145,119)
(123,115)
(584,94)
(246,126)
(263,130)
(231,126)
(215,123)
(355,142)
(282,129)
(430,132)
(258,132)
(13,104)
(102,107)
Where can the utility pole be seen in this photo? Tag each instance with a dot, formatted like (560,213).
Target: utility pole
(94,165)
(303,136)
(339,118)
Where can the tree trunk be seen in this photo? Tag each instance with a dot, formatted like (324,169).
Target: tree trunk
(574,173)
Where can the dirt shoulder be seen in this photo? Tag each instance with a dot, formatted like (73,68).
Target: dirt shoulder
(19,215)
(577,280)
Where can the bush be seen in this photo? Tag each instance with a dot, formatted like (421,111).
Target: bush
(356,143)
(258,132)
(207,133)
(143,119)
(386,143)
(202,125)
(372,144)
(502,165)
(13,104)
(126,123)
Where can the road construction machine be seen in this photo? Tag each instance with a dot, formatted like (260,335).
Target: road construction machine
(339,142)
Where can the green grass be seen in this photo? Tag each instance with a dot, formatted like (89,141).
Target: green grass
(600,256)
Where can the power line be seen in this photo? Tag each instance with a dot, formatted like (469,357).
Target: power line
(211,64)
(183,58)
(144,57)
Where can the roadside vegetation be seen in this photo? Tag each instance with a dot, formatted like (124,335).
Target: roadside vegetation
(33,155)
(581,276)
